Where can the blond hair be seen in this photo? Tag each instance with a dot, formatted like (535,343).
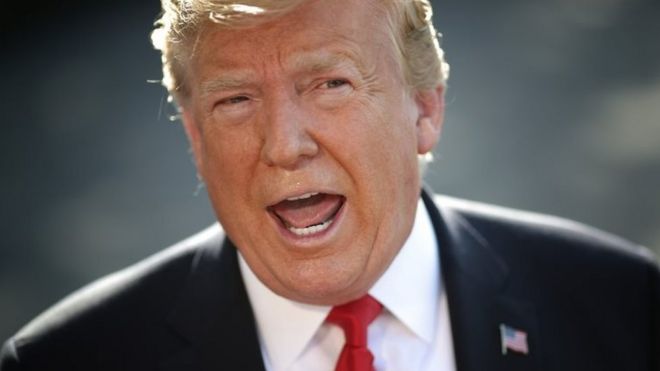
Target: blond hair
(177,30)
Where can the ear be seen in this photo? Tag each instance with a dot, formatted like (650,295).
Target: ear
(194,137)
(431,110)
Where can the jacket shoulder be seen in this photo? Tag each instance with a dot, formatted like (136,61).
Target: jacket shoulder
(530,232)
(130,304)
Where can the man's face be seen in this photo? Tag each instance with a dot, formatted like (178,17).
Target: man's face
(307,139)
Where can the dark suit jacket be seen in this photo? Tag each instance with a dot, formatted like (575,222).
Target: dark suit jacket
(587,300)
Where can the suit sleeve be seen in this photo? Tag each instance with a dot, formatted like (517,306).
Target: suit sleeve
(9,357)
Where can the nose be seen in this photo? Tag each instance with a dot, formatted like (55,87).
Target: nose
(286,138)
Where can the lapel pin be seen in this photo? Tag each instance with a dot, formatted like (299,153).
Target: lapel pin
(513,340)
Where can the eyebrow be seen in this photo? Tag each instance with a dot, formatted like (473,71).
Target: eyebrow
(228,81)
(318,62)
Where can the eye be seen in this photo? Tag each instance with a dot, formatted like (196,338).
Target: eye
(234,100)
(334,83)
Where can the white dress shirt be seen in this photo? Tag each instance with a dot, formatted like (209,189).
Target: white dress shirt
(412,333)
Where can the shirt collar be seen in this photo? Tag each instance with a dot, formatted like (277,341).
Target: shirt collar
(282,340)
(408,289)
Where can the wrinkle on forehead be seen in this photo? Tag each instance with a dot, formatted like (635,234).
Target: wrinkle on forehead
(339,44)
(304,63)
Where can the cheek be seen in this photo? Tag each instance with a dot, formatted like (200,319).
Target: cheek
(380,154)
(389,140)
(229,156)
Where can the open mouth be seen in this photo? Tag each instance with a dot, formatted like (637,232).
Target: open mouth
(308,214)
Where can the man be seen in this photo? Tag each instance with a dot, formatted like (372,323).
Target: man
(307,119)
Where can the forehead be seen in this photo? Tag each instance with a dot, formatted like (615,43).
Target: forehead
(320,30)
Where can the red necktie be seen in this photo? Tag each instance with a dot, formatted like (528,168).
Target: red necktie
(353,318)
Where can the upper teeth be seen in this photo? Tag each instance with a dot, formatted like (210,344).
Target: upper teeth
(302,197)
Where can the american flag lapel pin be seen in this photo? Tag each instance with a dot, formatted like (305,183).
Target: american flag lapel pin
(513,340)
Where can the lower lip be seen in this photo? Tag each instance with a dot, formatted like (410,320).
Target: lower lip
(314,238)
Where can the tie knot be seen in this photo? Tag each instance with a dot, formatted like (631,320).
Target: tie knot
(354,317)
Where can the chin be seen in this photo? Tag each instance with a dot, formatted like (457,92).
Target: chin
(325,286)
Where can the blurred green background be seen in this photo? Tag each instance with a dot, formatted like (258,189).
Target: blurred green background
(553,106)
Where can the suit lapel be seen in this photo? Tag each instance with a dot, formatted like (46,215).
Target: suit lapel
(215,317)
(475,280)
